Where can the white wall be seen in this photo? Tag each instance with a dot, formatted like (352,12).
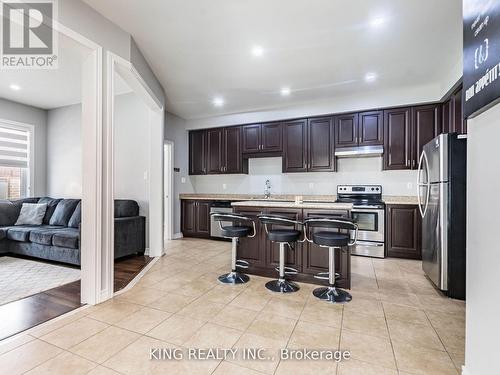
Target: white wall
(64,152)
(38,117)
(483,249)
(131,152)
(175,131)
(350,171)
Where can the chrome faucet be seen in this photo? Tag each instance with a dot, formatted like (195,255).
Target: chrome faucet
(267,190)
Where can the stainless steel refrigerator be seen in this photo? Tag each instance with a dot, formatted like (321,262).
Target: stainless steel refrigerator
(442,177)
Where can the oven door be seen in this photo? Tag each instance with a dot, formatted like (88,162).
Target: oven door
(371,223)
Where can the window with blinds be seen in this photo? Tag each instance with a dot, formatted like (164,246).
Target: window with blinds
(14,147)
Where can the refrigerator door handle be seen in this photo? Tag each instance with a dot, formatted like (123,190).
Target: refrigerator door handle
(423,158)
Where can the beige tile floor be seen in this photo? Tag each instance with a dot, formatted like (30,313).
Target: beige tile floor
(397,323)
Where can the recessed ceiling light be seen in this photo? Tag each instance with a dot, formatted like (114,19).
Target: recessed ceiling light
(218,101)
(377,22)
(370,77)
(15,87)
(257,51)
(285,91)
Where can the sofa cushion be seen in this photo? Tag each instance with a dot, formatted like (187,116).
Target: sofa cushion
(51,207)
(126,208)
(31,214)
(76,218)
(63,212)
(20,233)
(43,235)
(68,237)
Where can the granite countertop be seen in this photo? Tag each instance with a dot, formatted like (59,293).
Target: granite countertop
(288,204)
(249,197)
(288,199)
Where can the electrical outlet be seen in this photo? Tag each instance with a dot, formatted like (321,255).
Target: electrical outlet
(183,180)
(145,175)
(224,186)
(409,186)
(311,185)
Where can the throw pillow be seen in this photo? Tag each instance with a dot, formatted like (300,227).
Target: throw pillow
(31,214)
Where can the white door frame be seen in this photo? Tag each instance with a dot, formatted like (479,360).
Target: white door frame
(126,70)
(169,190)
(92,152)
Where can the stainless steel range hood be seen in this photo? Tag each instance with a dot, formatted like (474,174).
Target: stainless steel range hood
(359,152)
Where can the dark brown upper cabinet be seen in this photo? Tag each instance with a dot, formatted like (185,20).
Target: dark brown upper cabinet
(427,125)
(197,152)
(371,128)
(397,138)
(262,138)
(309,145)
(251,138)
(452,114)
(346,130)
(214,151)
(320,145)
(295,146)
(232,161)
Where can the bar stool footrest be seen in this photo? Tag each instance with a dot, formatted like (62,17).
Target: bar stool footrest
(288,270)
(242,264)
(326,275)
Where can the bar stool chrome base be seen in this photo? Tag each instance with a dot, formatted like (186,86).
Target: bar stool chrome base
(332,294)
(234,278)
(282,286)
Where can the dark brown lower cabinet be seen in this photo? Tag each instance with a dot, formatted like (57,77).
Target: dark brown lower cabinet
(307,258)
(195,218)
(404,231)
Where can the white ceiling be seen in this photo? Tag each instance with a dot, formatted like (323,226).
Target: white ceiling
(48,89)
(320,49)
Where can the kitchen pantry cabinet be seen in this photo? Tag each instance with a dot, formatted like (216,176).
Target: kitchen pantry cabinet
(404,231)
(216,151)
(259,138)
(359,129)
(308,145)
(195,218)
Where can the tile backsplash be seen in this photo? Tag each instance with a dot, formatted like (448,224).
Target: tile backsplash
(350,171)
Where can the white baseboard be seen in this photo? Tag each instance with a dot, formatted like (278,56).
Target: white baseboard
(177,236)
(464,371)
(146,251)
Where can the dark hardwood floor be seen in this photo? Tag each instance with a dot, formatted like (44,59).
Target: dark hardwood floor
(128,268)
(31,311)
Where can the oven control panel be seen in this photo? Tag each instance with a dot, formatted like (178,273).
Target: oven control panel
(359,189)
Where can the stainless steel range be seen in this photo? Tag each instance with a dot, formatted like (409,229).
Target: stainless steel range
(369,213)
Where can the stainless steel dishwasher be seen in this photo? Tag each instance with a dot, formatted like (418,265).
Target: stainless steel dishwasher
(220,206)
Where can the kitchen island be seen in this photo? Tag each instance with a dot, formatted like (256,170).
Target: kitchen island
(309,259)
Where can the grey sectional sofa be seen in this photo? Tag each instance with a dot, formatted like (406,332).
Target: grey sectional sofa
(58,238)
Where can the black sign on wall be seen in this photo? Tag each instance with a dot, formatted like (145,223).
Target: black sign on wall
(481,55)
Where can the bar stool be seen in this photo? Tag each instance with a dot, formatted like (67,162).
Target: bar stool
(332,240)
(282,237)
(235,231)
